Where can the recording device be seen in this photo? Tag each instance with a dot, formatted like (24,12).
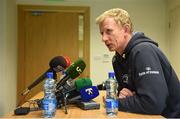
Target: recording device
(25,110)
(66,85)
(83,90)
(73,91)
(62,94)
(57,64)
(87,94)
(83,98)
(81,93)
(69,85)
(72,72)
(88,105)
(22,110)
(101,86)
(82,83)
(77,84)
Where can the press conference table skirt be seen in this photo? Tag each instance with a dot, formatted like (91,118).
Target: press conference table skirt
(76,112)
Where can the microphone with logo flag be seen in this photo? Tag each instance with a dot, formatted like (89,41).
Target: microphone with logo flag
(72,72)
(57,64)
(71,90)
(84,94)
(89,93)
(80,92)
(83,87)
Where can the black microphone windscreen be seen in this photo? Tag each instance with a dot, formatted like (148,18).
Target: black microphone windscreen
(59,63)
(101,86)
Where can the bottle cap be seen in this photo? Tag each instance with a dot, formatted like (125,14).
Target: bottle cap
(111,74)
(49,75)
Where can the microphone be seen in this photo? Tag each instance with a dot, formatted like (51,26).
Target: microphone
(89,93)
(79,84)
(72,84)
(57,64)
(72,90)
(82,83)
(69,89)
(84,98)
(84,89)
(101,86)
(80,89)
(72,72)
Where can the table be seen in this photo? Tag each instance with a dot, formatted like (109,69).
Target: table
(76,112)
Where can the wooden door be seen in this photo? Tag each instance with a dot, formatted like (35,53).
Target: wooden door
(43,35)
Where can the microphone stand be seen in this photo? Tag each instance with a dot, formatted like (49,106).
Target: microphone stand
(65,95)
(62,99)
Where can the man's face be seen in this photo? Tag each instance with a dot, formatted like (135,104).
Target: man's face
(112,34)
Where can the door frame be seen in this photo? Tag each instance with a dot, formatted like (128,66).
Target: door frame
(85,10)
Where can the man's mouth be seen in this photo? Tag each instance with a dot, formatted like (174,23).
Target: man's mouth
(108,45)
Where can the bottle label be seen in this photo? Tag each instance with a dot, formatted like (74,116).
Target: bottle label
(111,103)
(49,104)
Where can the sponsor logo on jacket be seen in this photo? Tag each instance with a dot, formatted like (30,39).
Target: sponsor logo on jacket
(148,71)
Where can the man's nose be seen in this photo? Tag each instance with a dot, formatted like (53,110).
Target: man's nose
(104,38)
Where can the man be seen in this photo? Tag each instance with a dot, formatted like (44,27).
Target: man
(147,82)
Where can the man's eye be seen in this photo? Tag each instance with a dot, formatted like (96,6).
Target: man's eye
(109,31)
(101,33)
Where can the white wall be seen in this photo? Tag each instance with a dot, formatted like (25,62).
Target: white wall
(8,51)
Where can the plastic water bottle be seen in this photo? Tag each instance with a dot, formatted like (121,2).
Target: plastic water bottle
(49,101)
(111,95)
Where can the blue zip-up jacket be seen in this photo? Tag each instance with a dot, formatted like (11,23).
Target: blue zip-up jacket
(144,69)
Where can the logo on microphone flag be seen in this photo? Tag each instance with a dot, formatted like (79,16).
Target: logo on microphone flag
(89,93)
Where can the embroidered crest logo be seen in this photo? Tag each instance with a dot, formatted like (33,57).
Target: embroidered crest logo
(148,70)
(125,78)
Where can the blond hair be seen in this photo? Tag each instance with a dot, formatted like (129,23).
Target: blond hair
(120,16)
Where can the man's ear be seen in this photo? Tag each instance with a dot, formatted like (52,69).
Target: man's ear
(127,28)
